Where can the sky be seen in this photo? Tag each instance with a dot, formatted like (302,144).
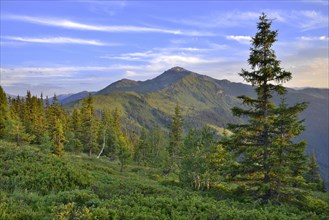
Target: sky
(60,47)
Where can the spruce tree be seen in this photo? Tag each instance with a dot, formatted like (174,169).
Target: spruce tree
(106,129)
(157,143)
(176,134)
(312,175)
(15,130)
(4,113)
(141,148)
(255,143)
(89,125)
(58,138)
(75,130)
(288,156)
(123,150)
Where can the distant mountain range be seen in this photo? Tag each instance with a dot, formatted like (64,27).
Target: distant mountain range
(204,101)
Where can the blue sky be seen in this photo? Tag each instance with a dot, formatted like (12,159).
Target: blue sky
(70,46)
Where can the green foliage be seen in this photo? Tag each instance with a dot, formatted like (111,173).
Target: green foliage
(206,101)
(312,175)
(141,149)
(4,113)
(123,151)
(27,168)
(89,125)
(38,185)
(58,138)
(175,139)
(15,131)
(151,147)
(204,159)
(269,163)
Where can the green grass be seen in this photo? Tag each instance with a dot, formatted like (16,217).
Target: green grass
(34,184)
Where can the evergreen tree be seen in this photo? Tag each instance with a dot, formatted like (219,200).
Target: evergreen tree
(116,121)
(75,131)
(113,132)
(39,125)
(255,143)
(4,113)
(123,150)
(175,138)
(203,158)
(58,138)
(89,125)
(27,116)
(157,142)
(312,175)
(15,131)
(288,156)
(141,149)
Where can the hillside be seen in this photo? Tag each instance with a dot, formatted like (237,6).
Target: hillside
(207,101)
(38,185)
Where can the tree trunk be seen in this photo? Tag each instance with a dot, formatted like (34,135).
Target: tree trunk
(100,153)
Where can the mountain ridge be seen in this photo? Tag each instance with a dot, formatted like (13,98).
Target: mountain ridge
(205,101)
(208,101)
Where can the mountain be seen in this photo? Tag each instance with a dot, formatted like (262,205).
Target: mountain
(142,87)
(69,98)
(206,101)
(75,97)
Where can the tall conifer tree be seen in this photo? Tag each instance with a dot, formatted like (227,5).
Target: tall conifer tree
(175,139)
(256,143)
(58,138)
(89,125)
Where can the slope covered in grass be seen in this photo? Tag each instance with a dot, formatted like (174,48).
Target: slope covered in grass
(38,185)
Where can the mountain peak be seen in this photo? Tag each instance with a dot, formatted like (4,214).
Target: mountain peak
(173,74)
(177,69)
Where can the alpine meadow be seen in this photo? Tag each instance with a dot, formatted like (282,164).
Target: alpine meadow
(179,146)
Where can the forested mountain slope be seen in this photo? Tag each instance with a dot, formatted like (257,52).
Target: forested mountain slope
(207,101)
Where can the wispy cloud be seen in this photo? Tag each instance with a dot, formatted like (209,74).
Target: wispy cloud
(58,40)
(64,71)
(166,57)
(307,19)
(302,19)
(69,24)
(220,19)
(240,39)
(321,38)
(224,19)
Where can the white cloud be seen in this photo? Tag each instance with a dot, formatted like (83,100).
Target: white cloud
(321,38)
(240,39)
(167,57)
(58,40)
(65,23)
(130,73)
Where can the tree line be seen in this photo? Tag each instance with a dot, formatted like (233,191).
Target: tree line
(260,156)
